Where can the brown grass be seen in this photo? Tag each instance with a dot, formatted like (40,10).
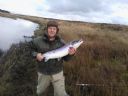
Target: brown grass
(101,61)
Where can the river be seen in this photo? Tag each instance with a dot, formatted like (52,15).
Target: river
(13,31)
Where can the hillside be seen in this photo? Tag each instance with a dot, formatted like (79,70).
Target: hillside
(4,11)
(101,62)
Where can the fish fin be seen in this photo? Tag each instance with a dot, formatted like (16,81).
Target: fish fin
(46,59)
(59,59)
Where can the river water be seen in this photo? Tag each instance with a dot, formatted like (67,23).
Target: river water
(13,31)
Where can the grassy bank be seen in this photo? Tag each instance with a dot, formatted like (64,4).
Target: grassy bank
(101,62)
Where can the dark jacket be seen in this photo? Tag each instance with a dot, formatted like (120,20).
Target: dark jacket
(42,45)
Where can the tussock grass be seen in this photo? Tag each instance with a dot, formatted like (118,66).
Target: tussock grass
(102,61)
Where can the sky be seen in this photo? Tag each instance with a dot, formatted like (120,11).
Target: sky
(96,11)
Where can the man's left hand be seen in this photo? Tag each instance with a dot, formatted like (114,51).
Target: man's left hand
(71,51)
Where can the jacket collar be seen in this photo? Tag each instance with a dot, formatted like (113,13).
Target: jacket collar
(45,37)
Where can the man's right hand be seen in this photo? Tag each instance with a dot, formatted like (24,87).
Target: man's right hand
(39,57)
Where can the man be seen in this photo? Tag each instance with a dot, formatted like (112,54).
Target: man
(52,70)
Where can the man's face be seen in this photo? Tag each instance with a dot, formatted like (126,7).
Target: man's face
(52,31)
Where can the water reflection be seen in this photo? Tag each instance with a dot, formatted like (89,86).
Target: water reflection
(13,31)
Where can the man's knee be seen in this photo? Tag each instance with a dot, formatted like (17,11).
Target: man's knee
(59,88)
(39,92)
(43,83)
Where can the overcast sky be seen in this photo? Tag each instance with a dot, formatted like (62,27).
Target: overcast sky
(100,11)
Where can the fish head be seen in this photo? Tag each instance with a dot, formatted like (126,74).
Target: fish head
(76,43)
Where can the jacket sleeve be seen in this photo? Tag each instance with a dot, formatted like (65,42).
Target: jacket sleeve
(34,49)
(68,57)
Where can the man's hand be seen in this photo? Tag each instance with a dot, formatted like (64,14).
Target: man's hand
(39,57)
(71,51)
